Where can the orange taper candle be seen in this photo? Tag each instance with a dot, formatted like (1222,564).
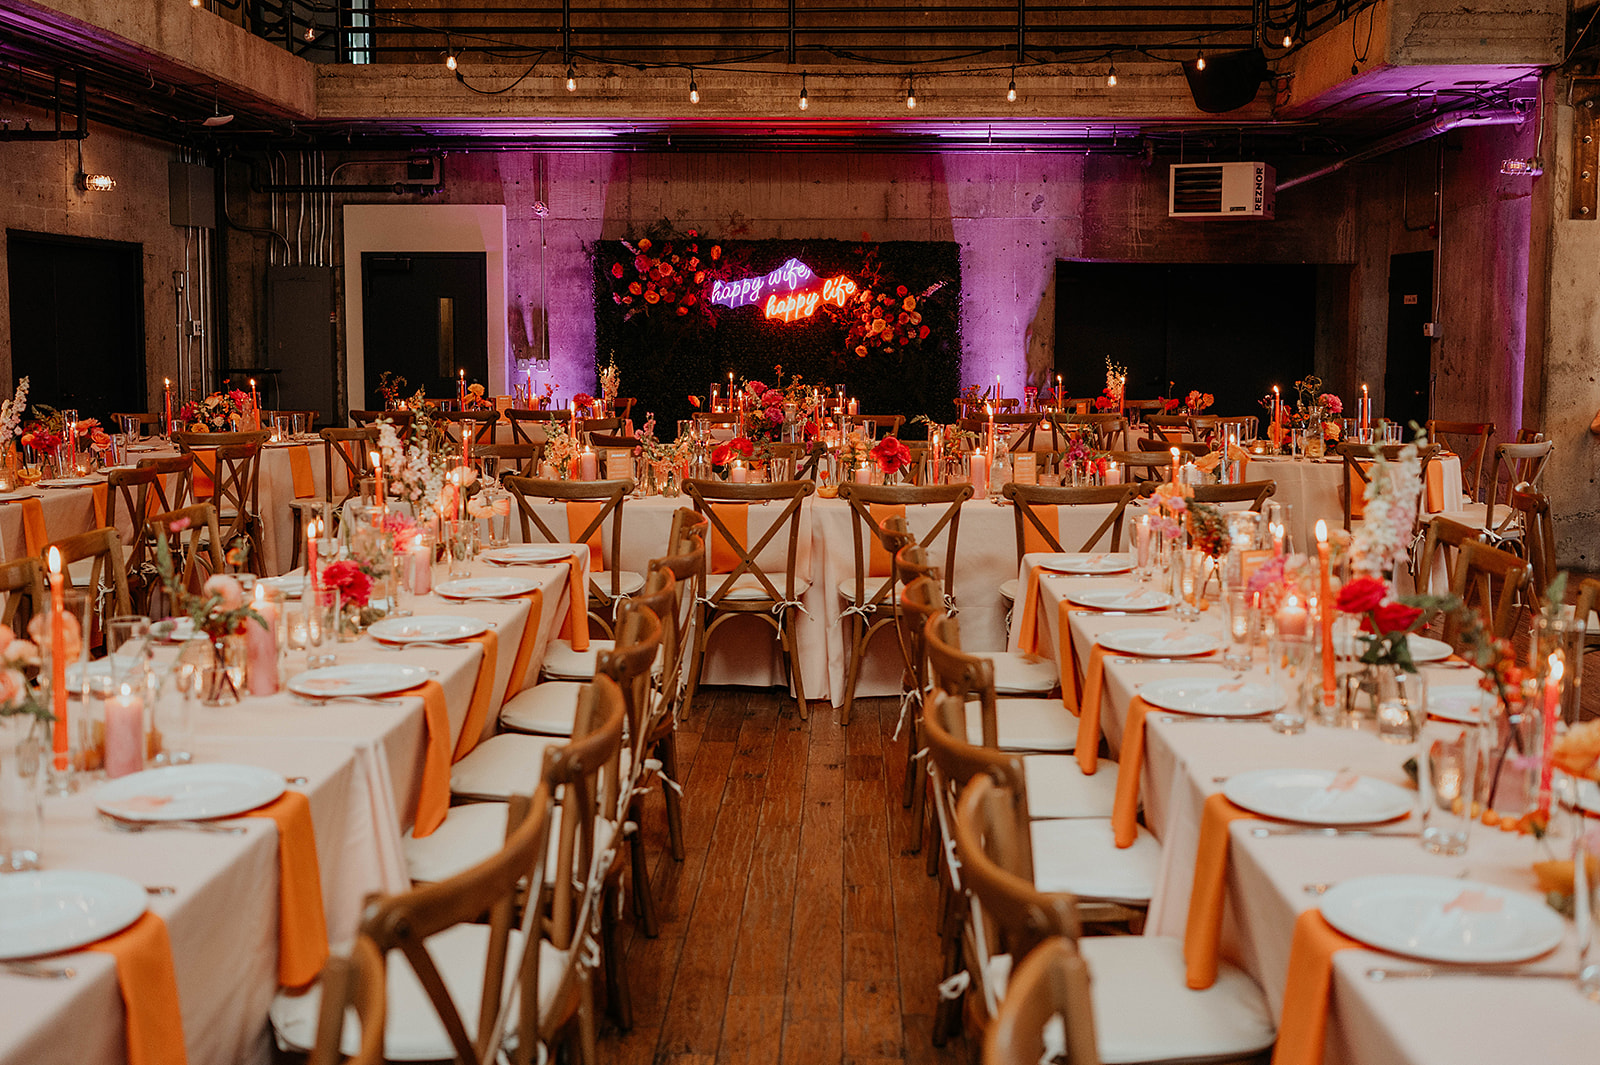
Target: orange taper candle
(58,663)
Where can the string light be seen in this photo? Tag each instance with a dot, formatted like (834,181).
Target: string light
(694,90)
(450,61)
(572,79)
(311,34)
(1200,61)
(194,3)
(805,102)
(1288,40)
(1011,90)
(1111,77)
(911,92)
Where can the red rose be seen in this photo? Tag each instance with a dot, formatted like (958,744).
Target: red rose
(890,454)
(922,334)
(1361,595)
(616,271)
(743,446)
(1395,617)
(721,453)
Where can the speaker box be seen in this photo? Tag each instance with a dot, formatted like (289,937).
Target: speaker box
(1229,80)
(192,195)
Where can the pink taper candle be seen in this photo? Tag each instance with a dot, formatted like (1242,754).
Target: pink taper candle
(58,663)
(1325,602)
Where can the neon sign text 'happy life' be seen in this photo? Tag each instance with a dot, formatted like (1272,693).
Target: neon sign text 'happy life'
(790,291)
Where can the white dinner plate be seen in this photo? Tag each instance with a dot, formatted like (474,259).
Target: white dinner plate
(1167,641)
(1213,696)
(430,627)
(292,585)
(1456,702)
(525,554)
(188,792)
(68,482)
(1319,796)
(1443,919)
(485,587)
(59,909)
(173,630)
(1423,648)
(102,668)
(1090,564)
(1589,796)
(357,678)
(1135,599)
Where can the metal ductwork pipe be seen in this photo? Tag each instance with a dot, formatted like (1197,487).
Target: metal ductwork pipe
(1415,135)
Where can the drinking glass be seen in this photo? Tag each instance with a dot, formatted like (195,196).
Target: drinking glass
(1447,785)
(297,424)
(1241,630)
(175,699)
(1290,659)
(132,426)
(24,751)
(282,426)
(461,544)
(1188,572)
(1402,705)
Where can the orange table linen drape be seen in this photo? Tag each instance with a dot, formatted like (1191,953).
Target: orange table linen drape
(576,625)
(880,562)
(1089,712)
(1203,931)
(1433,496)
(482,690)
(305,481)
(580,512)
(143,953)
(1130,766)
(99,491)
(35,538)
(736,516)
(302,927)
(1302,1030)
(433,799)
(205,468)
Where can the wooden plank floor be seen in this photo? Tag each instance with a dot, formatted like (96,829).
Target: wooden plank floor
(799,928)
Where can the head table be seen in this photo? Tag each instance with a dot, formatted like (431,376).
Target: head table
(362,769)
(1440,1021)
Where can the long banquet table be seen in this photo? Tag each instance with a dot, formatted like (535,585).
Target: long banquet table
(363,767)
(1419,1022)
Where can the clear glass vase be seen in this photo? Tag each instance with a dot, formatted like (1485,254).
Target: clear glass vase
(24,750)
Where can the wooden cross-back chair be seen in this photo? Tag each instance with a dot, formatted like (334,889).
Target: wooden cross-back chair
(1474,452)
(1165,429)
(882,424)
(146,421)
(1538,541)
(199,554)
(687,567)
(1256,493)
(1515,465)
(139,492)
(359,982)
(869,593)
(1442,540)
(602,500)
(234,466)
(105,578)
(1034,532)
(22,581)
(1103,429)
(610,424)
(482,422)
(1005,424)
(1138,409)
(1479,567)
(601,441)
(1163,446)
(521,460)
(527,426)
(400,419)
(352,449)
(1357,459)
(1147,1012)
(805,458)
(1050,985)
(1142,466)
(177,476)
(747,589)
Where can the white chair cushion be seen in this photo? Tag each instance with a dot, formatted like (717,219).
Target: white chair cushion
(1027,725)
(1081,856)
(502,766)
(1473,517)
(746,586)
(628,583)
(547,708)
(847,592)
(563,663)
(1008,590)
(1018,673)
(1144,1011)
(413,1031)
(1058,788)
(469,834)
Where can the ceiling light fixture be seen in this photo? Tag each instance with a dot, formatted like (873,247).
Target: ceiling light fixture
(805,102)
(694,90)
(1011,90)
(911,92)
(572,79)
(1200,61)
(1111,77)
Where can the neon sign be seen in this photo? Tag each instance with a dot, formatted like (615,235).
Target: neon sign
(791,291)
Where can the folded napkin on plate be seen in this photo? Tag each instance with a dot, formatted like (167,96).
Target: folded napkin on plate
(302,927)
(1203,930)
(482,689)
(143,953)
(1303,1027)
(433,798)
(1125,808)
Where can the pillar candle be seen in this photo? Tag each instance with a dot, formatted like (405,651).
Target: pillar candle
(58,664)
(738,473)
(1113,473)
(124,733)
(587,464)
(261,646)
(1291,617)
(978,473)
(377,472)
(1327,609)
(421,561)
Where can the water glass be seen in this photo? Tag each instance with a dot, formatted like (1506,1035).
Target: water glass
(1188,574)
(128,644)
(24,750)
(1447,786)
(1402,705)
(297,424)
(174,716)
(282,426)
(132,426)
(461,543)
(1290,662)
(1242,624)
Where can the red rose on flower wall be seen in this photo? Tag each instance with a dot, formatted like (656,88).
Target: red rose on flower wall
(1361,595)
(616,271)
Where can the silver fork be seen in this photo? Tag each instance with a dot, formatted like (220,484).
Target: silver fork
(120,825)
(34,969)
(436,644)
(311,701)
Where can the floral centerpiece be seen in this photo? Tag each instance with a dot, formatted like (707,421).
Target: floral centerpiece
(724,454)
(560,447)
(220,412)
(1208,528)
(1385,621)
(219,613)
(391,387)
(476,399)
(891,455)
(665,463)
(1387,529)
(1197,402)
(1111,399)
(11,416)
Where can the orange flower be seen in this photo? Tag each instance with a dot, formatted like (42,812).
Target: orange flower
(651,297)
(861,351)
(634,288)
(716,252)
(644,245)
(910,303)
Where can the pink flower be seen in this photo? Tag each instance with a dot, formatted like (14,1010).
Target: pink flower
(226,589)
(71,633)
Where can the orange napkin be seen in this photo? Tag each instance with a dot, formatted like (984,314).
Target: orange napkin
(880,562)
(482,689)
(99,491)
(302,929)
(1089,712)
(1435,490)
(530,636)
(576,626)
(580,512)
(1125,808)
(1204,927)
(1066,657)
(736,516)
(1032,540)
(433,800)
(1028,628)
(1304,1024)
(205,466)
(34,536)
(149,991)
(305,482)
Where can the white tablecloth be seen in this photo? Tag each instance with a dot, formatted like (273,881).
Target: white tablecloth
(1312,490)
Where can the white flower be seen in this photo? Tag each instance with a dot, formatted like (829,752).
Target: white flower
(1392,494)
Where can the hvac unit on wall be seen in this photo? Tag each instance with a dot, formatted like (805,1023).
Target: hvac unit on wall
(1220,190)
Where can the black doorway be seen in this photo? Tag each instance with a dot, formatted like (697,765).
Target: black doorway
(426,317)
(77,321)
(1408,370)
(1231,329)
